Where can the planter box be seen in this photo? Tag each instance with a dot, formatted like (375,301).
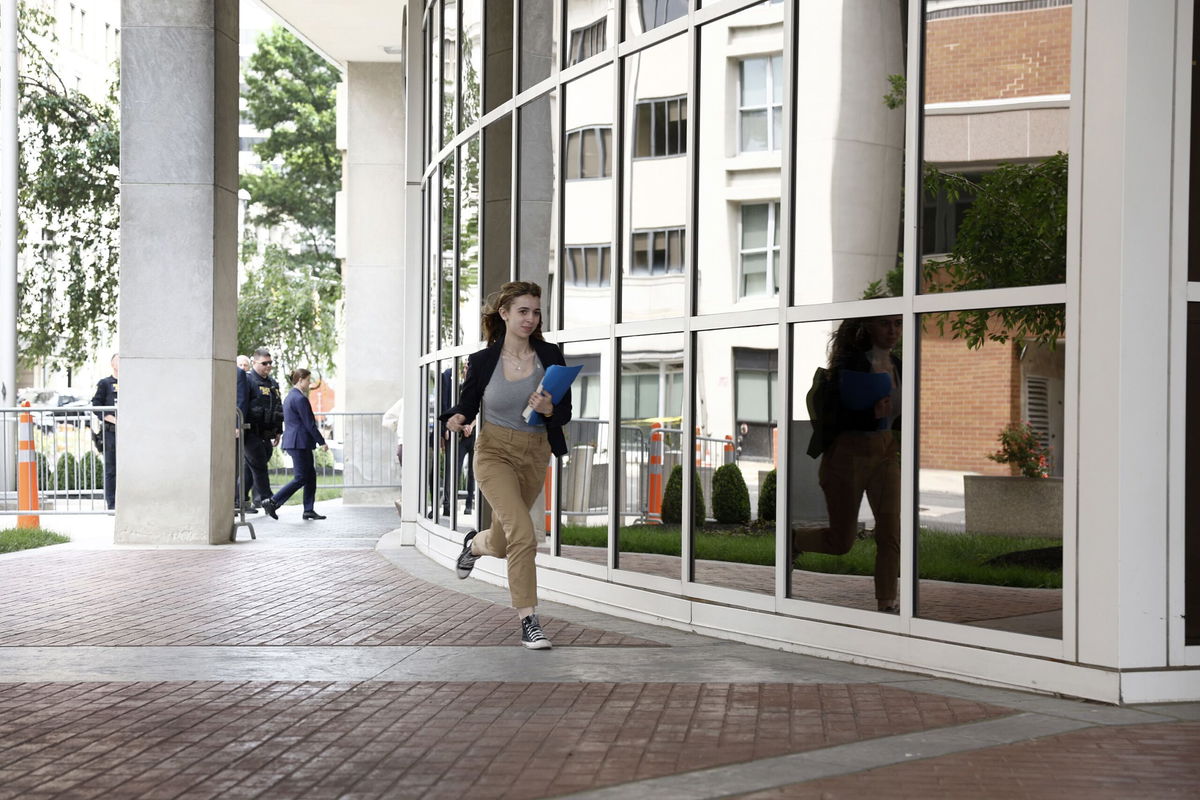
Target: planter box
(1013,506)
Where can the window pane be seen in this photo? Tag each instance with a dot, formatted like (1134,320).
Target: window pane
(587,26)
(754,130)
(646,542)
(538,41)
(754,280)
(1191,492)
(472,59)
(450,70)
(589,205)
(1012,227)
(731,479)
(724,191)
(591,154)
(753,82)
(752,397)
(755,219)
(584,470)
(777,80)
(642,125)
(660,128)
(537,230)
(573,147)
(991,480)
(641,253)
(850,168)
(657,186)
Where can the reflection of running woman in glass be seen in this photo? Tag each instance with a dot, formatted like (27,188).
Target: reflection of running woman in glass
(511,454)
(864,455)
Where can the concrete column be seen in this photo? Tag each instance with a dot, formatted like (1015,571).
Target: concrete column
(178,315)
(373,272)
(1124,327)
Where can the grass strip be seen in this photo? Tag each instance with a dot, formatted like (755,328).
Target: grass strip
(14,539)
(957,557)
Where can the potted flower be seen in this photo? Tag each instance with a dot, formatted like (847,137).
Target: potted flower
(1028,504)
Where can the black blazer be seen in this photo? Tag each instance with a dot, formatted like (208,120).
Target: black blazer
(480,366)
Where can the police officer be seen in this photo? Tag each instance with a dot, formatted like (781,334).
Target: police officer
(264,423)
(106,395)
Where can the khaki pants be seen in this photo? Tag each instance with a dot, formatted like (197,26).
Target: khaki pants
(858,462)
(510,467)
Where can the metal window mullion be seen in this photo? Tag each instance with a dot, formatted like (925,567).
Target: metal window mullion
(784,377)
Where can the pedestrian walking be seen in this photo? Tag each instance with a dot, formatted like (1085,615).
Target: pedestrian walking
(300,437)
(263,426)
(511,454)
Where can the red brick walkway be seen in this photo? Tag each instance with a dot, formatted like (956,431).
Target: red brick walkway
(1118,762)
(228,596)
(436,740)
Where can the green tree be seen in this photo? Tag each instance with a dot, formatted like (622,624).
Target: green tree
(290,306)
(286,309)
(1014,234)
(68,217)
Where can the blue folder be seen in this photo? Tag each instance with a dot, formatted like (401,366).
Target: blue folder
(861,390)
(555,382)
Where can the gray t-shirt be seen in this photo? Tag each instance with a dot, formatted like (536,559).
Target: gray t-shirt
(505,400)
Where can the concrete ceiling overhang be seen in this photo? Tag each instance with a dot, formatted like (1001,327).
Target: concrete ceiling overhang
(345,30)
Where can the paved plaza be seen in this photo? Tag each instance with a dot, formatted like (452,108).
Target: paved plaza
(323,660)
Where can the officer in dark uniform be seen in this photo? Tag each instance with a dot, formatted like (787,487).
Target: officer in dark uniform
(106,395)
(264,424)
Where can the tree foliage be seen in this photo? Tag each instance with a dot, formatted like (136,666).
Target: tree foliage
(286,309)
(68,185)
(289,300)
(1014,234)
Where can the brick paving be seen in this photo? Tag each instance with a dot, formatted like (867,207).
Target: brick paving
(1118,762)
(436,740)
(249,596)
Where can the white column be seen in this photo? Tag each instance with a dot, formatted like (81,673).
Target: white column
(178,314)
(373,272)
(1123,332)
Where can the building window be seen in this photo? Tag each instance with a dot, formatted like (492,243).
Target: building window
(943,214)
(588,265)
(588,41)
(640,395)
(760,103)
(758,256)
(756,373)
(660,128)
(660,12)
(588,395)
(657,252)
(589,153)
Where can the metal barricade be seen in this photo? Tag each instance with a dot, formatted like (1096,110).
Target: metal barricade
(67,448)
(239,482)
(362,452)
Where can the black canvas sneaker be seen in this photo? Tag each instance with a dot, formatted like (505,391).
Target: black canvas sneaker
(467,559)
(531,634)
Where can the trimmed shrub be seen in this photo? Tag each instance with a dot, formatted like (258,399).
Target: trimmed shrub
(44,472)
(766,498)
(672,506)
(730,497)
(66,472)
(323,460)
(91,470)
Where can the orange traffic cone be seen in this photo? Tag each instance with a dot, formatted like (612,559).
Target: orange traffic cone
(27,477)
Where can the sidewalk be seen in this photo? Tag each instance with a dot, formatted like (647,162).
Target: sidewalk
(323,661)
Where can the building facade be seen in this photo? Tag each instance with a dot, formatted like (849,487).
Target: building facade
(707,192)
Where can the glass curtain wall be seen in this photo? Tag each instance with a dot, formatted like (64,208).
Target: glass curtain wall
(775,261)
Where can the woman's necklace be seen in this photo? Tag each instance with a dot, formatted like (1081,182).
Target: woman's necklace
(517,362)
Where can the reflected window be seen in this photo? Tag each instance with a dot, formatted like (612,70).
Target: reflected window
(660,12)
(589,153)
(588,41)
(589,265)
(943,215)
(660,128)
(588,400)
(657,252)
(760,103)
(758,255)
(641,397)
(755,374)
